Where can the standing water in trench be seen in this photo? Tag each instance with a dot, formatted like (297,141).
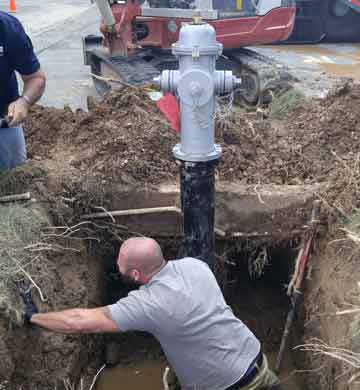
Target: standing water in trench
(143,375)
(148,375)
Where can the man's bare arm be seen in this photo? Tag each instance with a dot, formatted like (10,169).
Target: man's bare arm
(34,86)
(76,321)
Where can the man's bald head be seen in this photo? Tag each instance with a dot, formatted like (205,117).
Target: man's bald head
(140,253)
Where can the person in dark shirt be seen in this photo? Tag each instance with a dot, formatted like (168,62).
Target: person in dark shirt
(16,55)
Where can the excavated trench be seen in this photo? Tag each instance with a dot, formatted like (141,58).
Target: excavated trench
(117,157)
(257,244)
(258,231)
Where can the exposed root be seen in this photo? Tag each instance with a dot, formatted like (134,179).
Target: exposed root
(165,378)
(350,359)
(256,266)
(42,297)
(96,376)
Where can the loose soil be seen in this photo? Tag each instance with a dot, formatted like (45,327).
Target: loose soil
(125,142)
(127,138)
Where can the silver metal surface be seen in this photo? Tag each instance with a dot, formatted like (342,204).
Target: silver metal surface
(106,13)
(195,85)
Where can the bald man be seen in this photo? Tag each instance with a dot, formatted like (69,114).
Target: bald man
(181,304)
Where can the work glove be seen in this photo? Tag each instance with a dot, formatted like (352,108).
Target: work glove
(17,112)
(30,310)
(30,307)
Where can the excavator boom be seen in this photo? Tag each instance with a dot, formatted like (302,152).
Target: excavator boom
(138,36)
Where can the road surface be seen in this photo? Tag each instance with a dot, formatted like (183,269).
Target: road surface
(56,28)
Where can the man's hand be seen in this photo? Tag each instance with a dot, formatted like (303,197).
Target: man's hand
(18,111)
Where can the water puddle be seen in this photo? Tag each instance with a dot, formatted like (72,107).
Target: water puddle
(148,375)
(342,70)
(338,60)
(330,53)
(143,375)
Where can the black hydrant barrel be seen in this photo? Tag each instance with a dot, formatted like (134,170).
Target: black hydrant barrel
(198,207)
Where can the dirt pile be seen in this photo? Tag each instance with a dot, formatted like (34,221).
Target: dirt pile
(126,136)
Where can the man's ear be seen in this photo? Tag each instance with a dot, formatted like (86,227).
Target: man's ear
(136,275)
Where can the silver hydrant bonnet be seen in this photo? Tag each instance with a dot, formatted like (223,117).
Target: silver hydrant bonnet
(195,85)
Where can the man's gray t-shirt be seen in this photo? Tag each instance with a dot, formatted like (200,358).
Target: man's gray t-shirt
(184,308)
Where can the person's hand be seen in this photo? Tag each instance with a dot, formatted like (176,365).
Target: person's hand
(17,112)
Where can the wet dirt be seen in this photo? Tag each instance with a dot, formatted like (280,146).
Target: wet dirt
(318,67)
(345,51)
(344,70)
(335,60)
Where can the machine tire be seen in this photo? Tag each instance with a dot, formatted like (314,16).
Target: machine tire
(340,28)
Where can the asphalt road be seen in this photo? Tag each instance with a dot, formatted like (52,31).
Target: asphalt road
(57,27)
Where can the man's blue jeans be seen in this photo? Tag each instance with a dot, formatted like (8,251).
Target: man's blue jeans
(12,148)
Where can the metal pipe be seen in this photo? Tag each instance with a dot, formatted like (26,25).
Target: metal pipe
(197,182)
(106,13)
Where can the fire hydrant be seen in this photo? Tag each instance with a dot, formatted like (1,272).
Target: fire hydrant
(195,85)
